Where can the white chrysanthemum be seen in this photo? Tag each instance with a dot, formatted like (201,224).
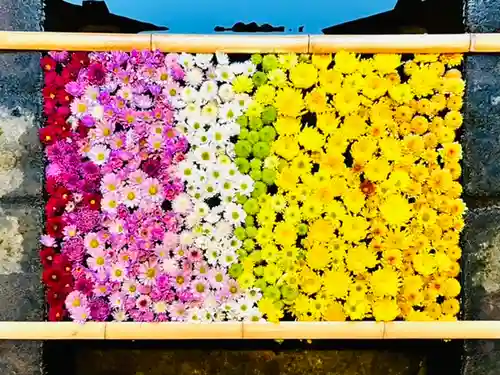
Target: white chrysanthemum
(244,185)
(203,60)
(209,112)
(204,155)
(243,100)
(202,209)
(199,138)
(11,244)
(248,68)
(223,230)
(186,238)
(219,135)
(10,180)
(208,90)
(228,256)
(229,112)
(98,154)
(194,77)
(224,73)
(226,92)
(211,73)
(186,60)
(191,220)
(227,188)
(222,58)
(192,110)
(234,214)
(182,128)
(97,112)
(189,94)
(182,204)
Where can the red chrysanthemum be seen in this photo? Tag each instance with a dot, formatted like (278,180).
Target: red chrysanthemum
(55,207)
(62,193)
(63,98)
(63,111)
(56,313)
(61,262)
(47,255)
(52,276)
(49,134)
(50,92)
(58,122)
(49,107)
(50,78)
(54,226)
(55,297)
(48,64)
(80,58)
(52,185)
(93,201)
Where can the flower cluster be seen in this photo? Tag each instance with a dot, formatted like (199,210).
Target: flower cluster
(59,68)
(209,104)
(364,216)
(311,187)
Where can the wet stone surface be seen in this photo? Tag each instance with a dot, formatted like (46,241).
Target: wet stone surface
(482,16)
(21,164)
(481,284)
(481,133)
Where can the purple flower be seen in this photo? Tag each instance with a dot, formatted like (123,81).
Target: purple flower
(59,56)
(75,88)
(84,219)
(99,309)
(87,121)
(74,249)
(84,286)
(96,74)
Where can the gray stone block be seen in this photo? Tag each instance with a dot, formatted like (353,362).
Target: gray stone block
(482,16)
(20,357)
(481,136)
(26,15)
(481,283)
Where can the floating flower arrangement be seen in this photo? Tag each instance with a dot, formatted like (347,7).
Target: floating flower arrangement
(194,188)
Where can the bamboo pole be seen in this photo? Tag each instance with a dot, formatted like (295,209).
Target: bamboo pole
(51,331)
(173,331)
(414,43)
(424,43)
(314,330)
(485,43)
(230,43)
(47,41)
(235,330)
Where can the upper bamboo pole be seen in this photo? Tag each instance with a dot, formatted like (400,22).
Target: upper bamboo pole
(406,43)
(235,330)
(234,43)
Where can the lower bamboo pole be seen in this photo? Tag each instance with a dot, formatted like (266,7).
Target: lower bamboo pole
(235,330)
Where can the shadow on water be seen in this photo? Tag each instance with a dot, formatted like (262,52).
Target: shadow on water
(266,357)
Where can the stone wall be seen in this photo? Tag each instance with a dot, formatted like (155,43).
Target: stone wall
(481,180)
(21,207)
